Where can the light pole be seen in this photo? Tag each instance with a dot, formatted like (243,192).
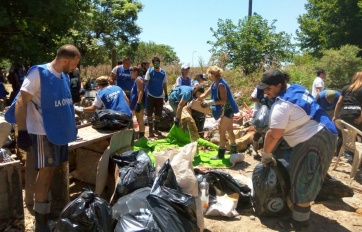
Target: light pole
(192,61)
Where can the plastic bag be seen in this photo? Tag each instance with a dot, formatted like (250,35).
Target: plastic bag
(166,120)
(132,212)
(106,119)
(135,171)
(261,119)
(173,210)
(271,189)
(88,212)
(222,183)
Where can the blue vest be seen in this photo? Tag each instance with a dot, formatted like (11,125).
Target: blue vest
(113,99)
(124,79)
(186,82)
(177,93)
(322,101)
(155,84)
(134,94)
(56,106)
(217,109)
(300,96)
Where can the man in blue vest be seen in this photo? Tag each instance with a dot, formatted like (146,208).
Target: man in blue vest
(110,97)
(44,115)
(156,81)
(122,76)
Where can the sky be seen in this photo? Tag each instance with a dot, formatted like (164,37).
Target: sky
(185,25)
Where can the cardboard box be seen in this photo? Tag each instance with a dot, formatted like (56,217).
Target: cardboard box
(196,105)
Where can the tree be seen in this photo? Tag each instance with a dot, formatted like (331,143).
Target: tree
(340,64)
(330,24)
(251,43)
(146,51)
(107,24)
(33,30)
(29,30)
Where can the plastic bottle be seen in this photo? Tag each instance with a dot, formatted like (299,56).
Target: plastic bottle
(204,187)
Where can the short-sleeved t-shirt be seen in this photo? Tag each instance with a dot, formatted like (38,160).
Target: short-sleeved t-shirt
(317,83)
(351,100)
(31,84)
(297,124)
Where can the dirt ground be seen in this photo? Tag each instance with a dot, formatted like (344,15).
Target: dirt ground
(332,215)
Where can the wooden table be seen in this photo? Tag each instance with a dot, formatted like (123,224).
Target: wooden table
(90,142)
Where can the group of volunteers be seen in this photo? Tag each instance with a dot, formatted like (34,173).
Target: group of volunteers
(44,114)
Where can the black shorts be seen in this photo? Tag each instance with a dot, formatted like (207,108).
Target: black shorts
(46,153)
(154,105)
(227,113)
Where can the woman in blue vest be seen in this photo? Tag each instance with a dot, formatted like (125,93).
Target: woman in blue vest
(306,127)
(184,79)
(223,106)
(108,96)
(138,98)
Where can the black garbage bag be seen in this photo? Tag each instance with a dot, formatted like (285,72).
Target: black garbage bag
(132,212)
(106,119)
(88,212)
(261,119)
(271,189)
(166,120)
(135,171)
(227,184)
(172,209)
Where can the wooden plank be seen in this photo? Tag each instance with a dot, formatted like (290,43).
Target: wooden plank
(90,135)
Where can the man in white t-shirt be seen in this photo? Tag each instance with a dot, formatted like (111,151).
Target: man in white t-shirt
(39,122)
(318,83)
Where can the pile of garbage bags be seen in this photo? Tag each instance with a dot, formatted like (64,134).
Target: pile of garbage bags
(169,201)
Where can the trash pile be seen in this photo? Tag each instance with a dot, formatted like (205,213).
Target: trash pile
(168,201)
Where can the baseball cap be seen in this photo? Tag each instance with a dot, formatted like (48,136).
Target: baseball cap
(102,80)
(271,77)
(331,95)
(185,66)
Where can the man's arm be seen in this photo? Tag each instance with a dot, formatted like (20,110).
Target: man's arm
(271,139)
(21,109)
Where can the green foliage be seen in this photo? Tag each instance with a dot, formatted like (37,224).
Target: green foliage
(250,44)
(146,51)
(340,65)
(107,24)
(330,24)
(29,30)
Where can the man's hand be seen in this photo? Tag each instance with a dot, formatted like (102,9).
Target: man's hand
(137,109)
(24,140)
(166,97)
(266,158)
(177,121)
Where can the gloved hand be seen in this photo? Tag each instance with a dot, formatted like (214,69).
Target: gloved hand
(177,121)
(24,140)
(166,97)
(137,108)
(78,109)
(266,158)
(207,103)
